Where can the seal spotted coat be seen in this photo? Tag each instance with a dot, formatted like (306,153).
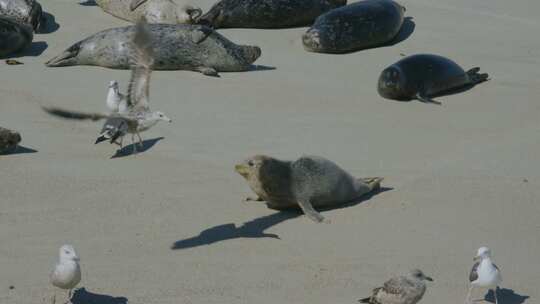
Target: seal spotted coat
(154,11)
(24,11)
(8,140)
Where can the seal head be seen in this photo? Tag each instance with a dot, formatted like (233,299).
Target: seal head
(392,84)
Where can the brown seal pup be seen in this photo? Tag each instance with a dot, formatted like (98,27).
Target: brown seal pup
(8,140)
(307,183)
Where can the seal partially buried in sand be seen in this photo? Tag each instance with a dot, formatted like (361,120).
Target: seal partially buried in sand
(357,26)
(177,47)
(424,76)
(24,11)
(266,13)
(8,140)
(154,11)
(307,183)
(14,36)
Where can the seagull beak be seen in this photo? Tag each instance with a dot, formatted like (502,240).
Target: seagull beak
(242,170)
(476,258)
(429,279)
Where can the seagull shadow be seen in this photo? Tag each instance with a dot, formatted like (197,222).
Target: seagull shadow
(88,3)
(18,150)
(506,296)
(128,150)
(255,228)
(81,296)
(48,24)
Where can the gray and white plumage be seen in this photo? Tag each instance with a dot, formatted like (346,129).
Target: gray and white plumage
(116,101)
(67,271)
(484,273)
(138,117)
(407,289)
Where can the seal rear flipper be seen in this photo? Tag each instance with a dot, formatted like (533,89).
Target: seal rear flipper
(208,71)
(475,77)
(423,98)
(373,183)
(66,58)
(211,18)
(310,212)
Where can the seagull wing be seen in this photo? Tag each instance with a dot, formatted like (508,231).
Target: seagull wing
(136,3)
(473,276)
(75,115)
(142,61)
(396,286)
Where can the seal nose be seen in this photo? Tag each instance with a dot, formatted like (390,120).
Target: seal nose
(311,40)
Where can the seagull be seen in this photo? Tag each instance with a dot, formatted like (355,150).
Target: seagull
(116,101)
(67,271)
(137,117)
(407,289)
(484,273)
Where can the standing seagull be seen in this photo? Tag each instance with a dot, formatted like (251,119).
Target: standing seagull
(116,101)
(408,289)
(138,117)
(484,273)
(67,272)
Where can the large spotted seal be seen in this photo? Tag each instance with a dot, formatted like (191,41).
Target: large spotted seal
(8,140)
(266,13)
(307,183)
(154,11)
(24,11)
(178,47)
(424,76)
(356,26)
(14,36)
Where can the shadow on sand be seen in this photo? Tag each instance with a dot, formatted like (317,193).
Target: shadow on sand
(129,149)
(18,150)
(88,3)
(49,24)
(81,296)
(506,296)
(254,228)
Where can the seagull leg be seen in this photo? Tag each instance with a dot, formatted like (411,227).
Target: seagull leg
(53,299)
(133,143)
(468,298)
(140,140)
(495,293)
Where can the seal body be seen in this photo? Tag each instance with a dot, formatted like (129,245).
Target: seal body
(356,26)
(266,13)
(8,139)
(154,11)
(23,11)
(14,36)
(306,183)
(424,76)
(177,47)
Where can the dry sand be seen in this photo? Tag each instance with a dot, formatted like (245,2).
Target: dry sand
(463,175)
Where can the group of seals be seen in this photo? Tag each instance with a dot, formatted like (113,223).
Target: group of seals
(14,36)
(8,140)
(177,47)
(24,11)
(356,26)
(154,11)
(307,183)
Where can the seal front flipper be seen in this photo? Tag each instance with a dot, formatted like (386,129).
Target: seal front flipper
(136,3)
(423,98)
(310,212)
(208,71)
(212,18)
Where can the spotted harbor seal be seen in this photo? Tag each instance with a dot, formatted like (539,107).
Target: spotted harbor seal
(266,13)
(178,47)
(307,183)
(8,140)
(154,11)
(14,36)
(354,27)
(24,11)
(424,76)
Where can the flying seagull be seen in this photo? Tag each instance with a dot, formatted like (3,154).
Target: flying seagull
(138,117)
(407,289)
(484,273)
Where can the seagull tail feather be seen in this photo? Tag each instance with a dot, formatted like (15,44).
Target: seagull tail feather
(101,138)
(365,300)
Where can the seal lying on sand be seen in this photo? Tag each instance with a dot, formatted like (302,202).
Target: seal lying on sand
(178,47)
(154,11)
(14,36)
(23,11)
(266,13)
(8,139)
(356,26)
(307,183)
(424,76)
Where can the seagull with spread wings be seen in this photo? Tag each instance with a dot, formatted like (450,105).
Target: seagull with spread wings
(138,117)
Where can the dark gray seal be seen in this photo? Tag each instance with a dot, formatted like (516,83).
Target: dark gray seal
(24,11)
(266,13)
(357,26)
(14,36)
(8,140)
(424,76)
(307,183)
(178,47)
(154,11)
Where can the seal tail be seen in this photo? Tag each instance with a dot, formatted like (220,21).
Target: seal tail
(374,183)
(67,58)
(475,77)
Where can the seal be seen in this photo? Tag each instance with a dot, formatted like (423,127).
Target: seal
(178,47)
(307,183)
(425,76)
(24,11)
(154,11)
(8,140)
(14,36)
(361,25)
(266,13)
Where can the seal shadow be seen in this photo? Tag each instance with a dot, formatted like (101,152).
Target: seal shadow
(128,150)
(506,296)
(81,296)
(256,67)
(252,229)
(88,3)
(49,24)
(407,29)
(19,150)
(36,48)
(358,201)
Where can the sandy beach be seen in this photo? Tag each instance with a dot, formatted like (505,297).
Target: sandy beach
(169,225)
